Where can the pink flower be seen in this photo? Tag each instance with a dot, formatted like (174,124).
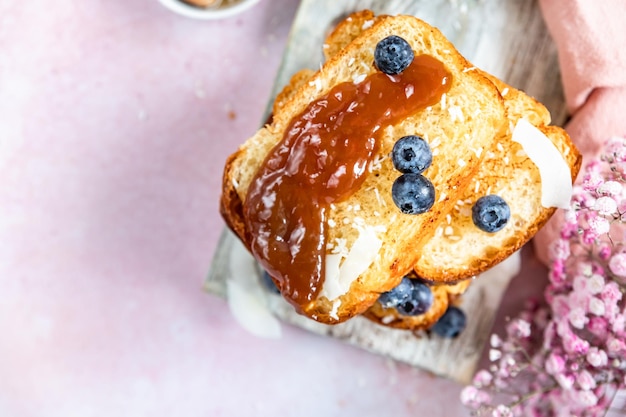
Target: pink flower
(611,312)
(597,358)
(605,252)
(599,226)
(595,284)
(585,380)
(565,381)
(502,411)
(519,328)
(507,368)
(557,273)
(560,306)
(619,325)
(555,364)
(570,226)
(571,217)
(589,236)
(482,378)
(541,318)
(473,397)
(620,169)
(586,201)
(494,355)
(574,344)
(599,326)
(611,293)
(562,325)
(592,180)
(579,299)
(558,404)
(549,335)
(615,346)
(495,341)
(615,150)
(585,399)
(597,269)
(596,306)
(468,394)
(580,283)
(584,268)
(610,188)
(577,318)
(560,249)
(617,265)
(605,206)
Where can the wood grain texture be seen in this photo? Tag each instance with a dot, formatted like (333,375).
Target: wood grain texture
(504,37)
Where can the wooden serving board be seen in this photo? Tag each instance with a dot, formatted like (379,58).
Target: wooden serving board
(507,38)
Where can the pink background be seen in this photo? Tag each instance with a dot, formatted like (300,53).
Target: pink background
(115,120)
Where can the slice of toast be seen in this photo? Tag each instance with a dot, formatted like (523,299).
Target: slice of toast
(460,131)
(443,294)
(458,249)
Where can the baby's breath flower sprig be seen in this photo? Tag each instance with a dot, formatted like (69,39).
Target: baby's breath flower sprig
(566,355)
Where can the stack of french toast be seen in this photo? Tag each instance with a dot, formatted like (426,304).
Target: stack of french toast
(392,176)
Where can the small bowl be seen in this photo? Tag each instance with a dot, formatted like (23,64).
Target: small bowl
(230,8)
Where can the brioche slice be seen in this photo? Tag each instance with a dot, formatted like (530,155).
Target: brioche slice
(458,249)
(443,294)
(459,131)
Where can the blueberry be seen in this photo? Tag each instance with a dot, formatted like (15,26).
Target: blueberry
(490,213)
(393,54)
(411,154)
(451,324)
(269,283)
(402,291)
(421,300)
(410,298)
(413,193)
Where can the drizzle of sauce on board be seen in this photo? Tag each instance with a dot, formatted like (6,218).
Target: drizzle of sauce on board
(323,159)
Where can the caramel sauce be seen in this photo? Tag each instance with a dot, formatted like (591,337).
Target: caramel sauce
(322,159)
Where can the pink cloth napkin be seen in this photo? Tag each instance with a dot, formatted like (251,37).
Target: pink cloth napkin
(591,42)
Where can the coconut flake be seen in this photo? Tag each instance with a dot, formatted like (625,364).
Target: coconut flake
(246,299)
(317,83)
(358,78)
(456,113)
(339,278)
(556,177)
(335,309)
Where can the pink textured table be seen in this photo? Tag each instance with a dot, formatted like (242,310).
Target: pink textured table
(115,120)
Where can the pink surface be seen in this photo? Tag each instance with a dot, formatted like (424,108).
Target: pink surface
(115,120)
